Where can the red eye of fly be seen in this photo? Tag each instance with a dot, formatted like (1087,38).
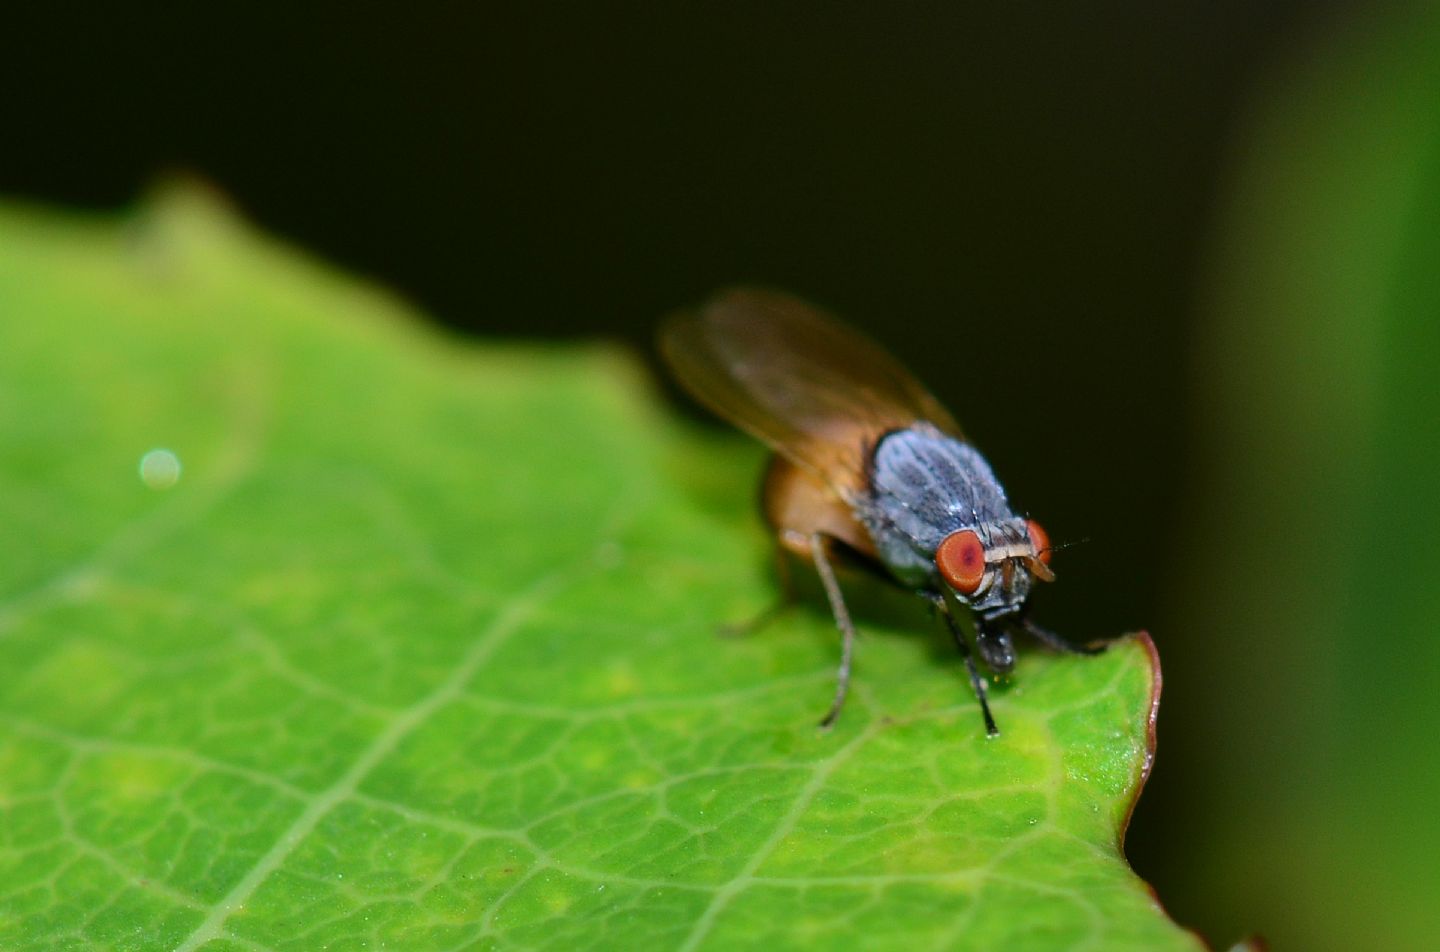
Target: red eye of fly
(1039,540)
(961,561)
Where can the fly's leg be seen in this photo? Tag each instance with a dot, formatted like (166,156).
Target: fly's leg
(1047,637)
(977,683)
(784,598)
(819,544)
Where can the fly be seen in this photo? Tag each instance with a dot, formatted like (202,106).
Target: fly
(867,466)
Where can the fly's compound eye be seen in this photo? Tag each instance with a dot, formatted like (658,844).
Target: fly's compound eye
(961,561)
(1039,541)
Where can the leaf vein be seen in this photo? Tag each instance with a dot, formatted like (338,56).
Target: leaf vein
(401,726)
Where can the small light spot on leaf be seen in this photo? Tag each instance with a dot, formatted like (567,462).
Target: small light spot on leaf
(159,469)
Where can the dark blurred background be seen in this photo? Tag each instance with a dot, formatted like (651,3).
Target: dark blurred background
(1021,200)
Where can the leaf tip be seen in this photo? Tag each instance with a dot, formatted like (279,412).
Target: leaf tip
(1152,715)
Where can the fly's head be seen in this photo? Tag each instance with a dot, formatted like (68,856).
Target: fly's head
(991,568)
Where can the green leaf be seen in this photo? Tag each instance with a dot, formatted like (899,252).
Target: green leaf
(419,652)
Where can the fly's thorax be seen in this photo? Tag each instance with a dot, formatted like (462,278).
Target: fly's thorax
(923,485)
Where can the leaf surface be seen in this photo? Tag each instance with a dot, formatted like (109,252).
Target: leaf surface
(419,652)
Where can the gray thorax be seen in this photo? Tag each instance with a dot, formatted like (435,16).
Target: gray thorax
(924,485)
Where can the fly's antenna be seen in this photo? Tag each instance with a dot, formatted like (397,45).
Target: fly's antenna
(1066,545)
(1057,546)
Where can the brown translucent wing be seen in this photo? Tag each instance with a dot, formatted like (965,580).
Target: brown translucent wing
(817,391)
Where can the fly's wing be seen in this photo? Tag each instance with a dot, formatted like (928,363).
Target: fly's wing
(818,392)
